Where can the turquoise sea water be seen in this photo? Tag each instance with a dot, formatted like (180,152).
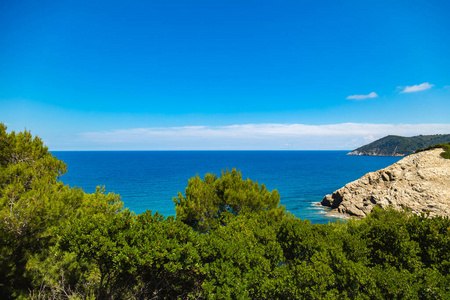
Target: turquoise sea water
(150,179)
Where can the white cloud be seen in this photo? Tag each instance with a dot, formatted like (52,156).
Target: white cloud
(369,139)
(362,97)
(254,136)
(447,87)
(415,88)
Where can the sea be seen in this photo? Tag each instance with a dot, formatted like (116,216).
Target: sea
(149,180)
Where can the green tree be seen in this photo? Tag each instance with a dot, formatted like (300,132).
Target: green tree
(241,260)
(206,200)
(322,262)
(33,204)
(104,241)
(27,170)
(433,237)
(136,257)
(170,261)
(388,239)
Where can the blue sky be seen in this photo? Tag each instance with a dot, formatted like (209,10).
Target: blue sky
(129,75)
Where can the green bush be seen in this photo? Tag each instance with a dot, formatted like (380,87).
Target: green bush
(445,147)
(206,200)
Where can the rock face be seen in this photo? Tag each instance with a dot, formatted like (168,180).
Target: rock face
(420,182)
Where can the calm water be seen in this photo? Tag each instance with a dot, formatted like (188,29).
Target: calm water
(150,179)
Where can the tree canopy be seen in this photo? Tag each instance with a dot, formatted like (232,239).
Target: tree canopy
(207,200)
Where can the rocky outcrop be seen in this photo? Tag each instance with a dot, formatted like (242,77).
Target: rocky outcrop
(376,152)
(420,182)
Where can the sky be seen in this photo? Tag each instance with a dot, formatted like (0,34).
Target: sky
(224,75)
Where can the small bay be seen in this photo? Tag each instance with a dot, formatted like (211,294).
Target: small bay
(148,180)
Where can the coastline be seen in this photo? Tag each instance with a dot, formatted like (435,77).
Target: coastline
(417,182)
(329,212)
(357,153)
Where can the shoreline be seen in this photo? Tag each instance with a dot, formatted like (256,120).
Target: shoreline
(329,212)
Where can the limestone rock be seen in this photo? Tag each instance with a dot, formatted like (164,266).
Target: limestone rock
(420,182)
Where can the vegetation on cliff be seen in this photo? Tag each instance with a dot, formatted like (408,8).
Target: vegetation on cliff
(445,147)
(393,145)
(230,239)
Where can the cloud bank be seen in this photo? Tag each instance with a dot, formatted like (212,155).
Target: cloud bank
(344,136)
(362,97)
(416,88)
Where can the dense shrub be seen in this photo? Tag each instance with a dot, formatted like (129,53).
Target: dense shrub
(445,147)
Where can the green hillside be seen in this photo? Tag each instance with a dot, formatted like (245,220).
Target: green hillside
(393,145)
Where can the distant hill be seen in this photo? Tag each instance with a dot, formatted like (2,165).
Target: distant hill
(394,145)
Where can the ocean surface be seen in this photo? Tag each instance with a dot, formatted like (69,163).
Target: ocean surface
(148,180)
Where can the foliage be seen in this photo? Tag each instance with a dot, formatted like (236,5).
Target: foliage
(230,240)
(240,260)
(146,256)
(206,200)
(33,203)
(385,256)
(445,147)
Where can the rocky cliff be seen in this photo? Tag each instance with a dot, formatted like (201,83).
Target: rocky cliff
(420,182)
